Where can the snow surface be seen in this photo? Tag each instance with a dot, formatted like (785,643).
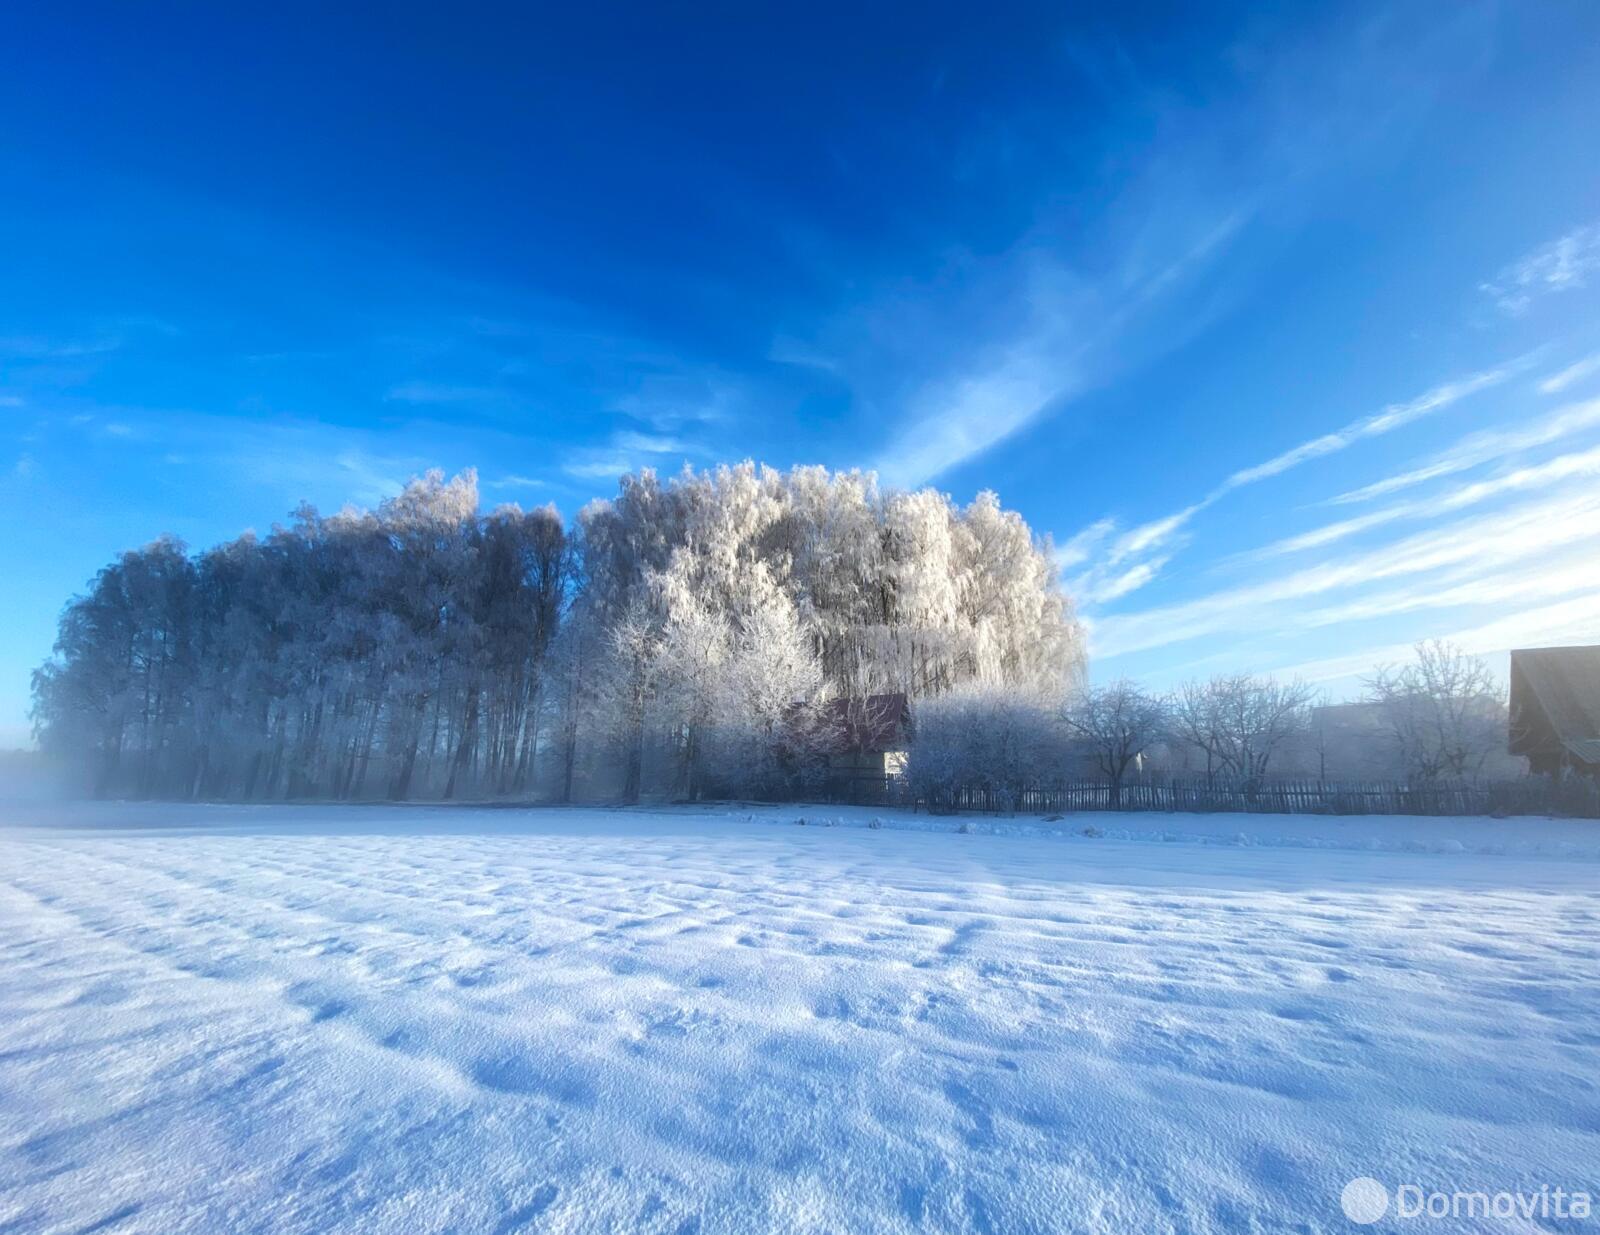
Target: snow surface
(416,1020)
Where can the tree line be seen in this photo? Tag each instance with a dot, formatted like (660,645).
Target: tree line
(680,638)
(1440,718)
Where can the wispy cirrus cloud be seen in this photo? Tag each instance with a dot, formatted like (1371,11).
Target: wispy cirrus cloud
(1069,336)
(1119,572)
(514,481)
(1099,306)
(599,466)
(292,459)
(1542,580)
(1574,620)
(672,399)
(1481,546)
(1082,546)
(1561,265)
(1110,585)
(1571,375)
(976,412)
(648,443)
(1395,416)
(1459,561)
(310,462)
(1543,476)
(1481,447)
(1160,537)
(626,451)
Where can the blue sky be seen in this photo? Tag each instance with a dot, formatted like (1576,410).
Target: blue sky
(1285,326)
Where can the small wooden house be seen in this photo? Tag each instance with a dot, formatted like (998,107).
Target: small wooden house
(865,739)
(1555,708)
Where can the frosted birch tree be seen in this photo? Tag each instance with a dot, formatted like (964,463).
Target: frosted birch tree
(1443,711)
(425,648)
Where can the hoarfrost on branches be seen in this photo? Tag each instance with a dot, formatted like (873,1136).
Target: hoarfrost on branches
(677,638)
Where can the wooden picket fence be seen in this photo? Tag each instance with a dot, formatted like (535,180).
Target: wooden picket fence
(1575,797)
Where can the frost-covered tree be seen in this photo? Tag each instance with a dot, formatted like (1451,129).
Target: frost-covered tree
(771,689)
(998,742)
(574,659)
(121,690)
(398,651)
(692,665)
(1117,724)
(626,679)
(1241,723)
(675,639)
(1443,711)
(896,591)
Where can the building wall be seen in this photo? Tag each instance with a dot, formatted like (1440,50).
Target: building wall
(859,763)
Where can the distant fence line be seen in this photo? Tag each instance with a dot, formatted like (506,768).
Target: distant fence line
(1574,796)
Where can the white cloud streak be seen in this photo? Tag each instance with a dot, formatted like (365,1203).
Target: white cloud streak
(1160,536)
(33,347)
(1575,620)
(1540,476)
(1463,587)
(646,443)
(975,413)
(1082,546)
(1484,544)
(1561,265)
(1048,365)
(306,464)
(1395,416)
(1571,375)
(626,451)
(601,467)
(1264,141)
(1121,584)
(1483,447)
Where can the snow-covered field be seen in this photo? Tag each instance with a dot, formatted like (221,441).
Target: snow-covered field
(412,1020)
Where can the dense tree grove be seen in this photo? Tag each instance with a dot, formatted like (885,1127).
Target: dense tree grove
(358,655)
(682,639)
(675,639)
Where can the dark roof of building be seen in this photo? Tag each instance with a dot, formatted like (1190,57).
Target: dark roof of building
(862,723)
(1564,685)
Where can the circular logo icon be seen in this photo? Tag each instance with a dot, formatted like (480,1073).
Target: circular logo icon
(1364,1200)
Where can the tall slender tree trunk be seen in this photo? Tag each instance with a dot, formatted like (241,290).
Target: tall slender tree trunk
(569,758)
(464,744)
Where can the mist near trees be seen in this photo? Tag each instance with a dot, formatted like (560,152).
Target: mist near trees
(1437,719)
(678,639)
(1442,711)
